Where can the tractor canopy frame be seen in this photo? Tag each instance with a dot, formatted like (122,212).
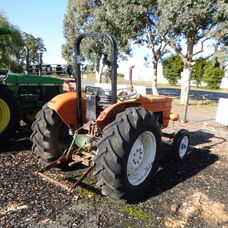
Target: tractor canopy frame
(77,74)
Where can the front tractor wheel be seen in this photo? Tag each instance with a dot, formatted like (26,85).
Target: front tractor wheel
(9,115)
(50,136)
(128,155)
(181,143)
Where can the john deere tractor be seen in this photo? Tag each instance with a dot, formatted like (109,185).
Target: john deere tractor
(21,97)
(115,133)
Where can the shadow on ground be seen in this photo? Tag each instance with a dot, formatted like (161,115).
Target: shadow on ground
(174,172)
(19,142)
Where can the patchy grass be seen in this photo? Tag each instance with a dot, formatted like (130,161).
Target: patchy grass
(138,213)
(87,193)
(198,102)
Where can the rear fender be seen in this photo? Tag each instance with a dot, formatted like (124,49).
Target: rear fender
(109,114)
(65,106)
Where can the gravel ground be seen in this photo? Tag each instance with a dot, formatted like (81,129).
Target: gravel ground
(192,193)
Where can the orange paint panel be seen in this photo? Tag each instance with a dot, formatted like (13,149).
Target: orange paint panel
(109,114)
(65,106)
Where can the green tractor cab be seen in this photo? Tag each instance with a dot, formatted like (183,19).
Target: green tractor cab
(21,97)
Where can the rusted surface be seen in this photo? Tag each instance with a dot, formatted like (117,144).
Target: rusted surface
(65,106)
(53,181)
(153,103)
(84,175)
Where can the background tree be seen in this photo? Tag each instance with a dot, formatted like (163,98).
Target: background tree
(10,46)
(138,20)
(213,74)
(190,22)
(198,70)
(33,44)
(172,68)
(90,16)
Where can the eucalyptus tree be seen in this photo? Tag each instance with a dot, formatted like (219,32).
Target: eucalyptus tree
(10,45)
(191,23)
(33,44)
(139,21)
(172,66)
(91,16)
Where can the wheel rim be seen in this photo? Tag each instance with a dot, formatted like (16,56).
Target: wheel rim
(4,115)
(183,146)
(141,158)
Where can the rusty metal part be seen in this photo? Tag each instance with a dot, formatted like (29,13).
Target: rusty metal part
(59,161)
(53,181)
(168,135)
(64,186)
(77,156)
(84,158)
(86,173)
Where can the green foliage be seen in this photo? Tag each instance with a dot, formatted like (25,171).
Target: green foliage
(90,16)
(198,70)
(138,213)
(12,47)
(212,76)
(34,44)
(172,68)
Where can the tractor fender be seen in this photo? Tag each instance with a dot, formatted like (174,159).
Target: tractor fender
(109,114)
(65,106)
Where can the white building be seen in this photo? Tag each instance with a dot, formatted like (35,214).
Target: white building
(142,73)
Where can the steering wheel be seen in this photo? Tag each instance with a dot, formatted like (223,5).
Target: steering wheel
(126,93)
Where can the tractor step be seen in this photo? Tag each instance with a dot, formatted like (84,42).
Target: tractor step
(77,156)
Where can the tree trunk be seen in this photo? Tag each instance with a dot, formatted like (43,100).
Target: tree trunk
(130,76)
(99,69)
(154,78)
(185,82)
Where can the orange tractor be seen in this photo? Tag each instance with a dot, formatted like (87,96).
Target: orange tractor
(115,133)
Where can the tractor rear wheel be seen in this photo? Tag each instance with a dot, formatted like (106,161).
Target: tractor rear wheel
(50,136)
(128,155)
(9,114)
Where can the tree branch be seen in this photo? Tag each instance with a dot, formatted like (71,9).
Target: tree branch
(198,52)
(200,60)
(151,40)
(177,51)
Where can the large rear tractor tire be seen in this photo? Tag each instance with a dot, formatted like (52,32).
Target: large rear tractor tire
(50,136)
(9,115)
(128,155)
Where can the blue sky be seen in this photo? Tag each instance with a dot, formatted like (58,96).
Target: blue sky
(41,18)
(44,18)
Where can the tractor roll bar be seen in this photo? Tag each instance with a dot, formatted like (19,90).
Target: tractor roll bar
(77,74)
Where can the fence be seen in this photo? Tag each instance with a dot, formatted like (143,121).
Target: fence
(49,69)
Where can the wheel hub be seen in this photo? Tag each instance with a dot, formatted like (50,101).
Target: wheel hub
(4,115)
(141,158)
(138,154)
(183,146)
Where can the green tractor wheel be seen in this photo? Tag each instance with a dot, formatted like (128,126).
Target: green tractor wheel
(9,114)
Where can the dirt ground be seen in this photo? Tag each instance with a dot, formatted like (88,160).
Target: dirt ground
(191,193)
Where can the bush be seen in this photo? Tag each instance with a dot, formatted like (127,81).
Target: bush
(172,68)
(213,76)
(198,70)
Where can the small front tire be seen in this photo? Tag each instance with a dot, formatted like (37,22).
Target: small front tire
(181,143)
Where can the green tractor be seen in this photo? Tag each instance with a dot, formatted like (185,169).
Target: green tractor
(21,97)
